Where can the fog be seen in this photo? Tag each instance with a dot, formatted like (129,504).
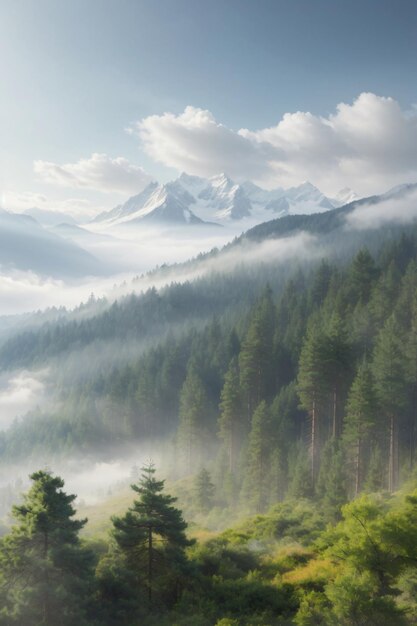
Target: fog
(20,392)
(398,210)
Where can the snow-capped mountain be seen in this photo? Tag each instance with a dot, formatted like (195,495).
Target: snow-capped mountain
(196,200)
(344,196)
(156,203)
(223,199)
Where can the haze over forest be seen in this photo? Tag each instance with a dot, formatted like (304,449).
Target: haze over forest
(208,313)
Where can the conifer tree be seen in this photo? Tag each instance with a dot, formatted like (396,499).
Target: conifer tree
(192,429)
(255,488)
(360,420)
(337,365)
(311,386)
(204,490)
(301,485)
(230,419)
(256,355)
(332,479)
(151,535)
(411,372)
(363,274)
(375,477)
(390,378)
(46,573)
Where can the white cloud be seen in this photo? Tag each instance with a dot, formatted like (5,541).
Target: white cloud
(398,210)
(196,143)
(22,201)
(368,145)
(19,393)
(99,172)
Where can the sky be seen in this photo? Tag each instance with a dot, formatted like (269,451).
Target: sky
(100,97)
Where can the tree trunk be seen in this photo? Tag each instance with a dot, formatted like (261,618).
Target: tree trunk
(313,443)
(45,608)
(335,428)
(391,462)
(150,571)
(358,467)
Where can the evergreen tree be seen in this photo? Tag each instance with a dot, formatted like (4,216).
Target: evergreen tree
(256,355)
(151,535)
(204,490)
(360,420)
(255,490)
(333,480)
(390,377)
(363,274)
(230,419)
(192,428)
(46,573)
(375,478)
(411,370)
(300,485)
(337,365)
(311,386)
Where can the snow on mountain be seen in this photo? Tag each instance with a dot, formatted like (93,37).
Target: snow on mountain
(129,207)
(219,200)
(25,245)
(344,196)
(193,184)
(169,204)
(223,199)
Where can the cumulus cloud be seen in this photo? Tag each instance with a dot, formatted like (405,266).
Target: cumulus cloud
(99,172)
(196,143)
(367,145)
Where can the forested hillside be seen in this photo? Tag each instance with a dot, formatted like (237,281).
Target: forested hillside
(280,399)
(309,389)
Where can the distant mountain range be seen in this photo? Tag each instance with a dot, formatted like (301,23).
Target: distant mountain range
(197,201)
(49,248)
(26,245)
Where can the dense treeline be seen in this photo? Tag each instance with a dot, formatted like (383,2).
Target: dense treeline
(295,406)
(311,392)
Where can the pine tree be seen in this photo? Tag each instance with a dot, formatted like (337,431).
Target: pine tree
(151,534)
(255,490)
(375,478)
(390,377)
(46,574)
(411,370)
(337,365)
(256,355)
(311,386)
(321,282)
(332,479)
(192,430)
(360,420)
(363,274)
(300,476)
(230,419)
(204,490)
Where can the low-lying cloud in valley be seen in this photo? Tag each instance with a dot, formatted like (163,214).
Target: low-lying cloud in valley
(19,393)
(398,210)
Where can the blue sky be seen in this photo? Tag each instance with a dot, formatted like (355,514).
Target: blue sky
(75,75)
